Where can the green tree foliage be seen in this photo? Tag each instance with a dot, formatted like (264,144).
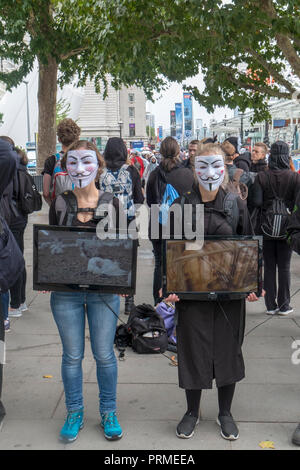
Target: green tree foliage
(238,45)
(62,110)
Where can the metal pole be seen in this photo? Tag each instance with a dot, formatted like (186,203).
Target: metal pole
(28,115)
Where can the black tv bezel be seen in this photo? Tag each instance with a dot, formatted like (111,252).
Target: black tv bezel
(67,287)
(217,295)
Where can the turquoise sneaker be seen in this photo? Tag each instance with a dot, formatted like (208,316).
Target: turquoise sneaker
(110,424)
(72,426)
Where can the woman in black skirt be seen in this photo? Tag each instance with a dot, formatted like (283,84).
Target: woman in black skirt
(210,333)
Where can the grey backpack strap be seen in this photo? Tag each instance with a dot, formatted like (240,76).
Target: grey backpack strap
(105,198)
(231,210)
(67,211)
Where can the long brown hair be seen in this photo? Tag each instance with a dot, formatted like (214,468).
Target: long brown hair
(170,152)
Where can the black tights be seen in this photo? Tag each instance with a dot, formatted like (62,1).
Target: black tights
(225,396)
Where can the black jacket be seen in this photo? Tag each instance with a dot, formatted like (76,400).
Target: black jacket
(10,201)
(8,161)
(180,178)
(243,162)
(261,165)
(286,184)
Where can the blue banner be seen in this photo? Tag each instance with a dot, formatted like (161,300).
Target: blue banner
(160,132)
(188,114)
(178,115)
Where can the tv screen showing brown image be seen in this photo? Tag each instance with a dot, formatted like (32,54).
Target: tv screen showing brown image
(219,266)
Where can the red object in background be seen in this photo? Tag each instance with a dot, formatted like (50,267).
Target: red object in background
(138,163)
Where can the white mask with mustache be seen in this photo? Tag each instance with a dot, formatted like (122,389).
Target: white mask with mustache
(82,166)
(210,171)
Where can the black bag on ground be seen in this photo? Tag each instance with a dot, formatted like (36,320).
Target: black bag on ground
(29,199)
(149,335)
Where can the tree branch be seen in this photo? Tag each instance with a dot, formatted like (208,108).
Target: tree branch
(268,67)
(74,52)
(250,86)
(283,42)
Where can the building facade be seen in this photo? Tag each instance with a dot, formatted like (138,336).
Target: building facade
(121,114)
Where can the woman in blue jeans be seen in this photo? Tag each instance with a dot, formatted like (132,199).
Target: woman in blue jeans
(70,309)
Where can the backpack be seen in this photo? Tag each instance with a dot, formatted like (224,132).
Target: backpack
(29,199)
(71,209)
(230,208)
(11,258)
(169,197)
(119,183)
(61,181)
(276,216)
(148,332)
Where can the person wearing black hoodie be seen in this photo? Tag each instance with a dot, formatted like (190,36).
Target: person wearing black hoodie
(8,159)
(170,171)
(123,180)
(285,183)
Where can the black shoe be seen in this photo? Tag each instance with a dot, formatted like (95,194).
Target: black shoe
(186,427)
(296,436)
(229,429)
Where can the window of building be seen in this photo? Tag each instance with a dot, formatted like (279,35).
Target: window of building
(131,112)
(131,130)
(131,97)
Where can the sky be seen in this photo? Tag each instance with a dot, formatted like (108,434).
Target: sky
(165,101)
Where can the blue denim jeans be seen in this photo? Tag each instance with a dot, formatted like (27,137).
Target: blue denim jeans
(69,309)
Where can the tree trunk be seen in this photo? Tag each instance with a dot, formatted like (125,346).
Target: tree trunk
(47,111)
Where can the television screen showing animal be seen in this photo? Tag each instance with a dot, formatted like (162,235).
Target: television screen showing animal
(219,266)
(80,258)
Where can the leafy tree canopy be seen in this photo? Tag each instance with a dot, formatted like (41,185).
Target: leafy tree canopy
(238,45)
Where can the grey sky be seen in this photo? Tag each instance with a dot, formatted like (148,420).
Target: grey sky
(166,100)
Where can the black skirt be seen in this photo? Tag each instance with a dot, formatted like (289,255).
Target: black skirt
(209,339)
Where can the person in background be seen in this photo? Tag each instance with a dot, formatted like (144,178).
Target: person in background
(170,171)
(258,157)
(67,132)
(17,222)
(230,152)
(123,180)
(241,161)
(285,183)
(152,165)
(8,163)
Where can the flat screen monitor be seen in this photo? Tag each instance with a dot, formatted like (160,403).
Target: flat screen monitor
(75,259)
(223,268)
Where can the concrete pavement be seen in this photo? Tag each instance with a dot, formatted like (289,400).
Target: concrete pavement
(150,404)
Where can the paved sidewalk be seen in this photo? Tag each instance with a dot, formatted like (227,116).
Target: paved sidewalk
(150,404)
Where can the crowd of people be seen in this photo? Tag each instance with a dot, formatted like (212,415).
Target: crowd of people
(209,333)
